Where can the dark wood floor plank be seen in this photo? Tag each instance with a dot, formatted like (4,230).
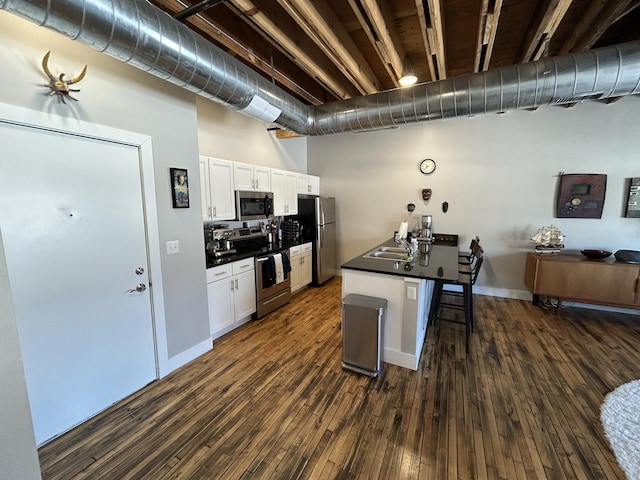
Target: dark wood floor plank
(271,400)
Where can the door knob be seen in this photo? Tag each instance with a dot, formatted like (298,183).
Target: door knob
(141,287)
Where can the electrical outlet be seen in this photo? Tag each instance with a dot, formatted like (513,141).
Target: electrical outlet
(173,247)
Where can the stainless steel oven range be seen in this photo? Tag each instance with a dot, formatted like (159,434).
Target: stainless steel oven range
(270,295)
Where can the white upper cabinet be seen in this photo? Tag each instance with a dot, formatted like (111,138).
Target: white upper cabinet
(217,195)
(285,195)
(302,183)
(314,185)
(307,184)
(251,177)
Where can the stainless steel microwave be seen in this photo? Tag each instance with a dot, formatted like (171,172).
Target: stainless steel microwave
(253,205)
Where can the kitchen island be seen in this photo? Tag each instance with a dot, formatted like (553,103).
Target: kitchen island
(407,287)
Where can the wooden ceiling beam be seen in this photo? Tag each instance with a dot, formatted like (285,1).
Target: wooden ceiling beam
(487,34)
(608,15)
(584,24)
(536,40)
(322,25)
(385,36)
(297,47)
(235,48)
(435,32)
(422,18)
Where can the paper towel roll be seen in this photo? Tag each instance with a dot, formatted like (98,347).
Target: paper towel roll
(402,231)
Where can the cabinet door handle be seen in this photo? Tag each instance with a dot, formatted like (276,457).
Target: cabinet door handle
(220,273)
(236,283)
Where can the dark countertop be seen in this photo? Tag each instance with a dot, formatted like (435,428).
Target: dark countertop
(440,263)
(213,261)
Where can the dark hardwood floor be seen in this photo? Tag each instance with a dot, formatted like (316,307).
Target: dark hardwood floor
(272,401)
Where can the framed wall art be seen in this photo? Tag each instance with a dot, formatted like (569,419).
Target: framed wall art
(179,187)
(581,195)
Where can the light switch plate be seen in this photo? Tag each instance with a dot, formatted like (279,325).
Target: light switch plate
(173,247)
(411,293)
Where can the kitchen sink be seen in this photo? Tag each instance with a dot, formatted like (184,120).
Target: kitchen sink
(389,253)
(393,250)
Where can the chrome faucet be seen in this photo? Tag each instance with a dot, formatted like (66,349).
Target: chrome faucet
(406,245)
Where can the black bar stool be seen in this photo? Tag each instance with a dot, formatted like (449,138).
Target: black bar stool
(467,275)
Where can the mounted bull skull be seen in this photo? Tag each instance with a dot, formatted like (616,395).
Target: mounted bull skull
(59,86)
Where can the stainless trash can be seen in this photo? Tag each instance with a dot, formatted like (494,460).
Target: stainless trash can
(362,329)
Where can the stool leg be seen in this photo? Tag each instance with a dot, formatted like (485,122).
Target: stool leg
(467,313)
(471,305)
(435,302)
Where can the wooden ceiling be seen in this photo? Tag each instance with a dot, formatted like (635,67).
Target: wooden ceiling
(323,50)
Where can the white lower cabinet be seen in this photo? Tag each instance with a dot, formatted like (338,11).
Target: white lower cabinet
(231,292)
(301,266)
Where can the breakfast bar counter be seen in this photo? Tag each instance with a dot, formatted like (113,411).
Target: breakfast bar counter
(440,263)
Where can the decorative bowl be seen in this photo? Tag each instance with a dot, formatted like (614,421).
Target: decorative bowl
(595,254)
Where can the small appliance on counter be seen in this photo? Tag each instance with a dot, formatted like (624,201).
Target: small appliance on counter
(218,241)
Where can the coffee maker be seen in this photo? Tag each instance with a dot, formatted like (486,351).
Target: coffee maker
(218,241)
(427,228)
(426,235)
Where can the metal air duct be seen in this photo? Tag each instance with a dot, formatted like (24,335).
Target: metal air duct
(141,35)
(596,74)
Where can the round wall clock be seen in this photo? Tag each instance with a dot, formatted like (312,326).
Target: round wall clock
(427,166)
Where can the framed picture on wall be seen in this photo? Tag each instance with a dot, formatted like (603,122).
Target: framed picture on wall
(581,195)
(179,188)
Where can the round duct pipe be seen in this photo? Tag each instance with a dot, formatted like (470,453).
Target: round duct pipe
(138,33)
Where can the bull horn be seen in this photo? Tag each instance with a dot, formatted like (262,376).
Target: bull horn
(79,77)
(45,65)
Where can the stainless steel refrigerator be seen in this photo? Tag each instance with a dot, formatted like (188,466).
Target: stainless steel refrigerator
(317,217)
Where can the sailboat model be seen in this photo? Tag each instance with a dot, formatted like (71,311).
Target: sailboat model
(548,239)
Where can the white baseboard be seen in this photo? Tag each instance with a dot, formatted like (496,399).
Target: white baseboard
(401,359)
(188,355)
(526,295)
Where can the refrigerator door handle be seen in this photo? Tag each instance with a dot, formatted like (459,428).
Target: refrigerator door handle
(321,235)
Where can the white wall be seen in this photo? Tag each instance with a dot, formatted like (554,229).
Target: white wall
(497,172)
(224,133)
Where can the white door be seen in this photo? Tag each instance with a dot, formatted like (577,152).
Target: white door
(71,213)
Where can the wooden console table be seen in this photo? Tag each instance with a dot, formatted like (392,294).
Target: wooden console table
(576,278)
